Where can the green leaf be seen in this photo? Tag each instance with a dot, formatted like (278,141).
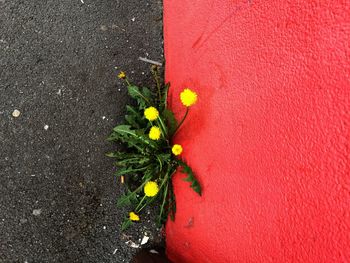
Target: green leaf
(190,177)
(118,155)
(125,129)
(146,92)
(165,157)
(131,110)
(164,99)
(111,154)
(135,118)
(134,160)
(149,173)
(171,121)
(127,200)
(135,93)
(163,211)
(133,137)
(129,170)
(132,121)
(126,224)
(171,203)
(113,137)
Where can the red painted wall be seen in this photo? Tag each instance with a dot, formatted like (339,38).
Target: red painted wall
(270,136)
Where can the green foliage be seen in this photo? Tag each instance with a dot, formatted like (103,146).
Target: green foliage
(126,224)
(190,177)
(171,121)
(143,160)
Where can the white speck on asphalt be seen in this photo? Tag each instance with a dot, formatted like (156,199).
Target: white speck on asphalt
(23,220)
(144,240)
(133,19)
(118,89)
(16,113)
(104,227)
(36,212)
(46,127)
(103,117)
(115,251)
(59,92)
(132,244)
(82,1)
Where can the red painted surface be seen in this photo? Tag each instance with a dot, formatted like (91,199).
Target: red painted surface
(269,137)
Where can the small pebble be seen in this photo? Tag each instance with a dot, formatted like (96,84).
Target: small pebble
(46,127)
(144,240)
(36,212)
(16,113)
(132,244)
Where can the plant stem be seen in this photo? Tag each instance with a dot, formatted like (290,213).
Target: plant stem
(165,196)
(181,122)
(127,82)
(140,187)
(136,209)
(158,86)
(156,78)
(162,125)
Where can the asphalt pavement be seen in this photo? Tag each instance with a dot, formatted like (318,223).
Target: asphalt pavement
(59,99)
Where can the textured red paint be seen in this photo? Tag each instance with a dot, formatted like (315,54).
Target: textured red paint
(270,136)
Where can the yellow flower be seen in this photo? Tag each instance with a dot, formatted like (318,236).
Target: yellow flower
(151,113)
(121,75)
(133,217)
(177,149)
(154,133)
(188,97)
(151,189)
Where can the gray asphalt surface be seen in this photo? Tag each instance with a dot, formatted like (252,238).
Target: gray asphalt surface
(57,68)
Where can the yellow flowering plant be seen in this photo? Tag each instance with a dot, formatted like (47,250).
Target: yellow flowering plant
(149,159)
